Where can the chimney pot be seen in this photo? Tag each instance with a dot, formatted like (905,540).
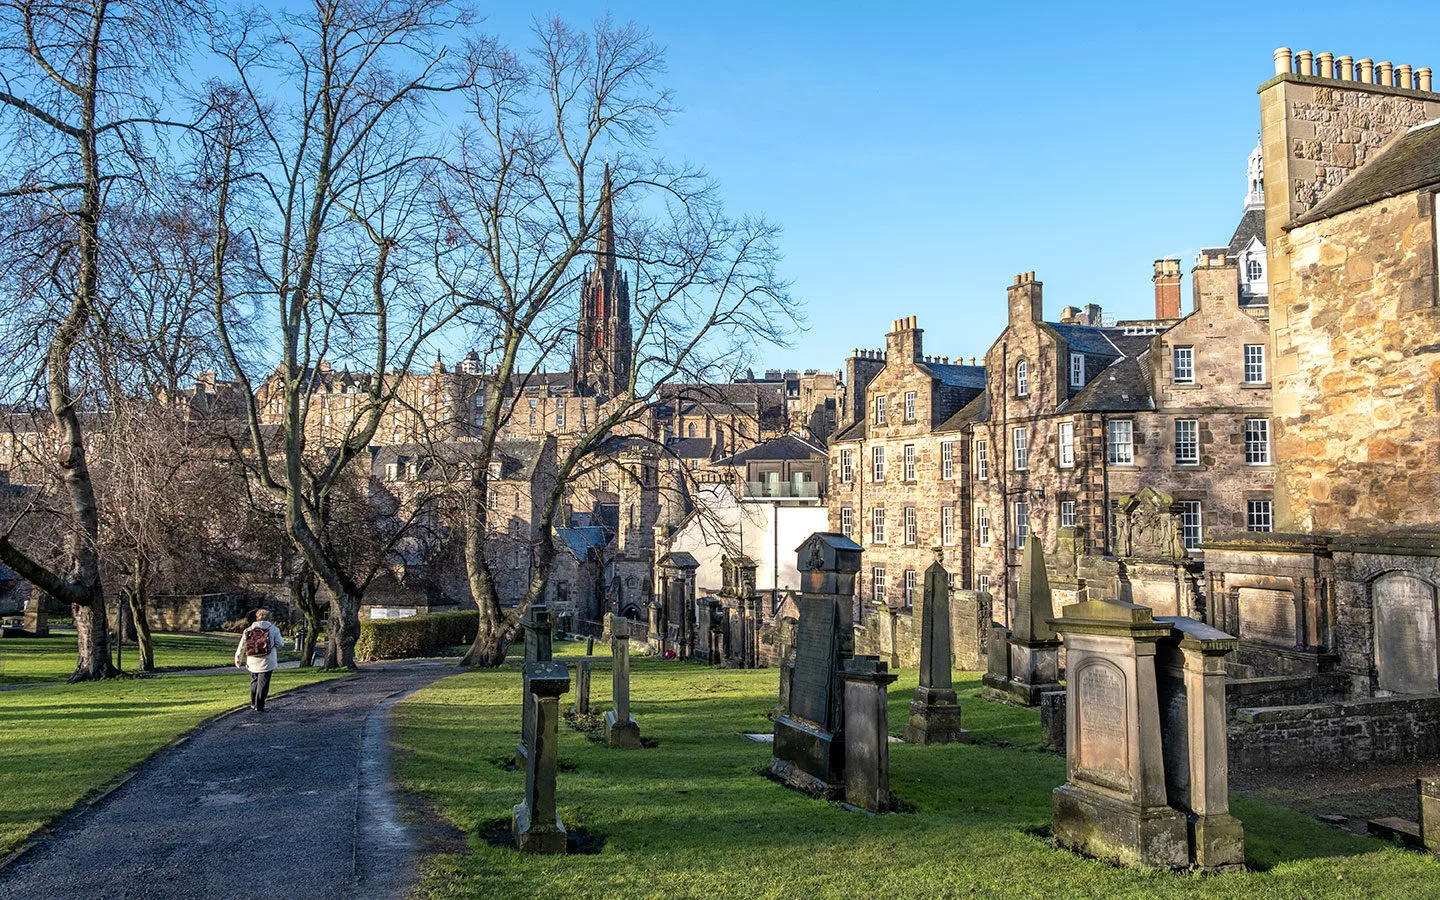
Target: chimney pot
(1347,68)
(1384,74)
(1326,63)
(1282,61)
(1402,76)
(1367,70)
(1422,79)
(1306,61)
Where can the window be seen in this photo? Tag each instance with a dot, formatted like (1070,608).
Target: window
(534,413)
(1184,365)
(1257,442)
(880,410)
(847,521)
(982,526)
(909,462)
(1122,442)
(877,525)
(947,525)
(1187,442)
(877,463)
(847,466)
(1253,271)
(1022,524)
(1022,450)
(877,584)
(1191,530)
(492,500)
(1065,436)
(1067,513)
(909,587)
(560,414)
(909,406)
(982,460)
(1022,379)
(982,584)
(515,529)
(910,526)
(1254,363)
(1077,370)
(947,459)
(690,432)
(1258,516)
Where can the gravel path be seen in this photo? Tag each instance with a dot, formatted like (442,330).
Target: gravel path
(292,802)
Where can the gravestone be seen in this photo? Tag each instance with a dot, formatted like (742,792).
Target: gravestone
(867,732)
(1405,635)
(1034,649)
(1190,684)
(537,626)
(1052,722)
(621,730)
(37,618)
(582,687)
(934,713)
(1113,804)
(809,745)
(1429,791)
(535,822)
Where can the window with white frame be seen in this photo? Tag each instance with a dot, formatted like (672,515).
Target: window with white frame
(1077,370)
(1191,528)
(1122,442)
(909,406)
(534,413)
(1022,379)
(877,584)
(1067,513)
(877,463)
(947,525)
(847,466)
(1022,524)
(1020,441)
(1259,516)
(1184,359)
(1254,363)
(911,526)
(1187,442)
(877,525)
(880,410)
(982,526)
(1065,438)
(982,583)
(1253,270)
(847,521)
(909,462)
(909,587)
(947,459)
(982,460)
(1257,442)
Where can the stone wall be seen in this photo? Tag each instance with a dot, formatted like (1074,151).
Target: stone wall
(207,612)
(1337,734)
(894,634)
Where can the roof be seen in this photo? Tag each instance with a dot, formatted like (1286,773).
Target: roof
(1411,162)
(690,448)
(977,410)
(855,431)
(580,540)
(518,458)
(955,376)
(1123,386)
(680,559)
(1251,227)
(1087,339)
(786,446)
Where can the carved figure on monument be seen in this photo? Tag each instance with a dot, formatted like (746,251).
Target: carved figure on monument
(1148,527)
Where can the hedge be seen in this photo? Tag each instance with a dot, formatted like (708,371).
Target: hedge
(423,635)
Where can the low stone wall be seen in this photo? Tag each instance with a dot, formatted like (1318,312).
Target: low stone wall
(1386,729)
(1282,690)
(208,612)
(894,634)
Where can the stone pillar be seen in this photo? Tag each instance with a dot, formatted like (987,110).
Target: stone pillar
(582,687)
(536,822)
(621,730)
(538,625)
(1052,721)
(1033,646)
(37,617)
(1429,791)
(934,713)
(867,733)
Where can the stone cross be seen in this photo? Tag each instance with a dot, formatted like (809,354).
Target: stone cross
(935,713)
(535,822)
(538,625)
(867,733)
(621,729)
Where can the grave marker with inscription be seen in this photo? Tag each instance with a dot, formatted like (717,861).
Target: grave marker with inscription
(621,730)
(535,822)
(934,713)
(538,626)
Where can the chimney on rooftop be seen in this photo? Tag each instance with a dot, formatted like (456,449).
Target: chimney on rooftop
(1167,288)
(904,340)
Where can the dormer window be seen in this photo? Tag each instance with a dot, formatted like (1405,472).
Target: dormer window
(1253,270)
(1022,379)
(1077,370)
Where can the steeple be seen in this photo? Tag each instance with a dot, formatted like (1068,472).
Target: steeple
(1255,174)
(605,240)
(603,342)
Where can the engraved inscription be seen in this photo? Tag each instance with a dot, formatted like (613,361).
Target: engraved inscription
(1104,739)
(814,662)
(1267,616)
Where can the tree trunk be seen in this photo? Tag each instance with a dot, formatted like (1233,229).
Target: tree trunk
(343,630)
(303,590)
(92,630)
(488,649)
(137,596)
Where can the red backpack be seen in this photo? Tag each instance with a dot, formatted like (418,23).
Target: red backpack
(257,641)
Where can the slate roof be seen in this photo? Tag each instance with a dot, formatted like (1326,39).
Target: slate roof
(690,448)
(580,540)
(1123,386)
(855,431)
(977,410)
(1087,339)
(956,376)
(786,446)
(1411,162)
(1252,226)
(518,458)
(680,559)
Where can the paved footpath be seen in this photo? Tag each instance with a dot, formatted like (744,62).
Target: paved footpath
(294,802)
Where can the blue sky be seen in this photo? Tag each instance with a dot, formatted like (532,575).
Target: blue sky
(918,155)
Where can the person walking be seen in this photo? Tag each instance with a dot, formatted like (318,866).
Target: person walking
(257,652)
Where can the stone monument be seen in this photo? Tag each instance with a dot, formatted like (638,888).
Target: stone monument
(537,625)
(621,730)
(867,732)
(536,822)
(934,713)
(809,748)
(582,687)
(37,619)
(1034,664)
(1113,804)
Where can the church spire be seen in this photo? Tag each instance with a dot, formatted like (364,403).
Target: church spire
(1255,175)
(605,248)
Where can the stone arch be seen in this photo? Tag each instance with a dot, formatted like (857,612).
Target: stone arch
(1407,653)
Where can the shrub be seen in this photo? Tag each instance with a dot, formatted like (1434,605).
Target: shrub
(423,635)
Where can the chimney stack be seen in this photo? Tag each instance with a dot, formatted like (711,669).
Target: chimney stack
(904,340)
(1167,288)
(1025,299)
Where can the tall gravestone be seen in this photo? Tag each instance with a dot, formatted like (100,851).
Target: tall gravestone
(1113,804)
(809,746)
(1034,648)
(537,626)
(37,617)
(867,732)
(621,730)
(935,713)
(535,822)
(582,687)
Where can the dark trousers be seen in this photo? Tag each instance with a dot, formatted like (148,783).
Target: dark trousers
(259,689)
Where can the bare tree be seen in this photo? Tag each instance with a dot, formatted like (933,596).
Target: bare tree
(77,104)
(529,200)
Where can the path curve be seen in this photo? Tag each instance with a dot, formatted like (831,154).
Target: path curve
(297,797)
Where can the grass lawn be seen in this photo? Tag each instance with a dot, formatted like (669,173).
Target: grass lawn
(693,817)
(27,660)
(61,743)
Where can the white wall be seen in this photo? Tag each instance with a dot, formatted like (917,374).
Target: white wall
(765,532)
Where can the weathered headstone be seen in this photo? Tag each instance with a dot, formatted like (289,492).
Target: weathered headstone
(1429,791)
(867,732)
(1034,665)
(935,713)
(621,730)
(537,626)
(37,618)
(809,746)
(1190,681)
(535,822)
(582,687)
(1113,804)
(1052,722)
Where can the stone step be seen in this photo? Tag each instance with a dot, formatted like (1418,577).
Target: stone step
(1394,828)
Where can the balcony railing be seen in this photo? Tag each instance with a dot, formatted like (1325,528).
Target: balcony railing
(782,490)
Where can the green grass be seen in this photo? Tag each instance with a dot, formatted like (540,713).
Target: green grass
(62,743)
(29,660)
(694,817)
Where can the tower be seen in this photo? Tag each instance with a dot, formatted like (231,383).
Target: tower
(603,342)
